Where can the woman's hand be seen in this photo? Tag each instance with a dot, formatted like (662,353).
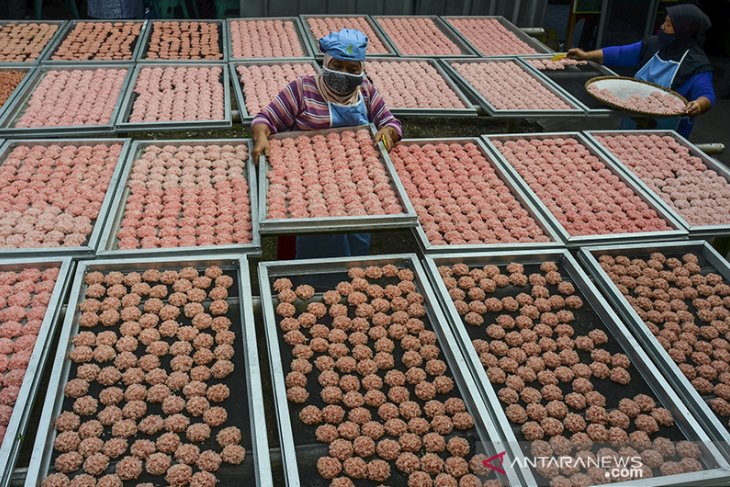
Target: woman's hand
(577,53)
(697,107)
(260,141)
(388,135)
(581,55)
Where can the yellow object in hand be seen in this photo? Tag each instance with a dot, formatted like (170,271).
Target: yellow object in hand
(559,56)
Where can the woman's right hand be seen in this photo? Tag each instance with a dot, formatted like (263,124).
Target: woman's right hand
(577,53)
(260,141)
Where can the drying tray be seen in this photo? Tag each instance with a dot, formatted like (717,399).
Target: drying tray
(429,248)
(314,42)
(222,41)
(299,448)
(17,108)
(124,125)
(287,226)
(572,241)
(61,28)
(108,247)
(595,314)
(538,46)
(246,409)
(468,109)
(246,116)
(306,48)
(572,80)
(624,87)
(703,231)
(710,261)
(88,250)
(578,110)
(15,434)
(466,50)
(69,27)
(29,70)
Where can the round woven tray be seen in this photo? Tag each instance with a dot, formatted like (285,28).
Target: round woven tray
(624,87)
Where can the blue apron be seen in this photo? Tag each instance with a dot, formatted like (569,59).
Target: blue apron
(662,73)
(347,244)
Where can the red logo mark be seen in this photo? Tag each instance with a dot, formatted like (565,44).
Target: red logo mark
(492,466)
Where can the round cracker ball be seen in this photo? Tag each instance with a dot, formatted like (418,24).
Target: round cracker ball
(203,479)
(198,432)
(142,449)
(209,461)
(76,388)
(157,463)
(115,447)
(89,446)
(176,423)
(228,436)
(218,393)
(179,475)
(129,468)
(67,441)
(233,454)
(419,479)
(215,416)
(56,480)
(96,464)
(378,470)
(329,467)
(68,462)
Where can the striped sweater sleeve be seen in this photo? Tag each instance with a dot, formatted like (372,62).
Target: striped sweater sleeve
(378,112)
(281,113)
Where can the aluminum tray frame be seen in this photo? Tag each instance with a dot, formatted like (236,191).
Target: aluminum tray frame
(694,401)
(468,111)
(71,24)
(88,250)
(571,241)
(19,104)
(222,41)
(285,226)
(538,46)
(246,117)
(484,421)
(687,424)
(486,105)
(61,28)
(29,72)
(314,43)
(41,455)
(123,125)
(699,231)
(116,211)
(306,48)
(29,389)
(428,248)
(603,70)
(466,50)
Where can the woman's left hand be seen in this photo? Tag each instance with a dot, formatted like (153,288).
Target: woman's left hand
(388,135)
(697,107)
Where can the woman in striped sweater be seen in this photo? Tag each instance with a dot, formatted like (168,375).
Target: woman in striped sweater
(339,96)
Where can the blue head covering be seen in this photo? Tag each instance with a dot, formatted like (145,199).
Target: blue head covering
(347,44)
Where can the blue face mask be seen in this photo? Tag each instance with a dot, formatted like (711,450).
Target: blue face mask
(341,83)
